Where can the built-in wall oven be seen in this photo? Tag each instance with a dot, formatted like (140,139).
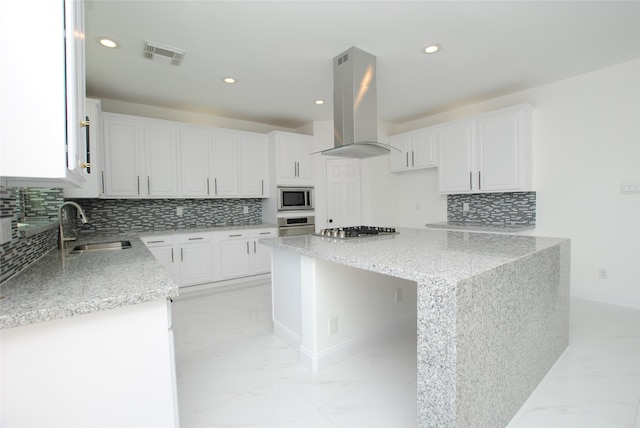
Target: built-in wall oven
(296,225)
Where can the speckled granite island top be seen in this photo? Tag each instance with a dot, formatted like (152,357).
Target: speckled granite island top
(418,254)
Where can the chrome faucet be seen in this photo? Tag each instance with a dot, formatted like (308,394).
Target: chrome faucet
(83,219)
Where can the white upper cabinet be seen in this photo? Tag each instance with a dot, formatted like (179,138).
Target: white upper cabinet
(487,153)
(293,158)
(92,187)
(161,149)
(152,158)
(253,165)
(225,161)
(415,150)
(195,149)
(123,156)
(43,72)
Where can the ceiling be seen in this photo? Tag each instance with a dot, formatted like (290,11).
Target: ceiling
(281,52)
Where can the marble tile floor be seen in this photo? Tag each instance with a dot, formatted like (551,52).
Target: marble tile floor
(232,372)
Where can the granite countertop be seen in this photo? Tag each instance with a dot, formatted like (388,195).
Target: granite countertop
(419,254)
(471,227)
(61,285)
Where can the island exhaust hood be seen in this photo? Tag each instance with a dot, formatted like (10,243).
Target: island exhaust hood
(355,106)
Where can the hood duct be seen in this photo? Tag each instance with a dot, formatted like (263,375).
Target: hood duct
(355,106)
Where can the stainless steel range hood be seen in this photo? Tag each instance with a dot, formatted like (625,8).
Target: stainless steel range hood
(355,106)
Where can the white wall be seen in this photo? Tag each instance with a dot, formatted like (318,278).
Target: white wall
(586,142)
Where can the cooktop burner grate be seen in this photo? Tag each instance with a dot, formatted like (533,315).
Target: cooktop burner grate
(357,231)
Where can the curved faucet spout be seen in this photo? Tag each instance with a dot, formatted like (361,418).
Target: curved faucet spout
(83,219)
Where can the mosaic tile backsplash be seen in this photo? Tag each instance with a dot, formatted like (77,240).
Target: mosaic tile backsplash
(514,208)
(109,215)
(16,203)
(122,215)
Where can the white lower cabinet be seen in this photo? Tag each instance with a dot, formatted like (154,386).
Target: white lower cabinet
(201,258)
(163,248)
(241,254)
(196,258)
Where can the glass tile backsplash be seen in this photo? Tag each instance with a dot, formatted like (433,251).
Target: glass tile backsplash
(513,208)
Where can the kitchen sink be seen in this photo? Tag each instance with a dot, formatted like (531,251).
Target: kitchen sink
(101,246)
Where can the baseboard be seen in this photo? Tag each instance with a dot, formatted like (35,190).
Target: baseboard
(337,354)
(286,335)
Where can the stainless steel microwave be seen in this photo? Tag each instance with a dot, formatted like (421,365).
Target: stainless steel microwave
(295,198)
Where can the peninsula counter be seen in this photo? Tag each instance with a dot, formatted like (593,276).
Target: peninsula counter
(492,311)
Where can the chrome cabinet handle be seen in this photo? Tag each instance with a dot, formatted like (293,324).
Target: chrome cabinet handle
(172,255)
(181,254)
(196,239)
(413,158)
(234,236)
(138,177)
(154,242)
(247,247)
(262,187)
(215,185)
(148,185)
(207,185)
(470,180)
(102,174)
(479,180)
(254,247)
(407,159)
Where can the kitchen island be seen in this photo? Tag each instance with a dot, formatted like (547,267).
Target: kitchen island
(492,311)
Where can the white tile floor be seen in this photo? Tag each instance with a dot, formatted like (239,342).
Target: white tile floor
(232,372)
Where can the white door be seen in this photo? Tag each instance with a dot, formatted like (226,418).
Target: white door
(343,192)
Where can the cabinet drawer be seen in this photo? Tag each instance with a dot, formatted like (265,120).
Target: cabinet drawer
(192,238)
(233,234)
(264,233)
(159,240)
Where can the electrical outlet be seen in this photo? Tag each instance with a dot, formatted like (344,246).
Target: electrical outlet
(629,188)
(603,273)
(398,295)
(465,206)
(245,210)
(333,325)
(179,211)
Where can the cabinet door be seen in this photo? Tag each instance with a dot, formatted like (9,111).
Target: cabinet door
(194,163)
(293,159)
(122,156)
(455,170)
(261,254)
(166,255)
(42,101)
(423,149)
(92,187)
(234,257)
(253,166)
(160,142)
(224,161)
(501,153)
(196,263)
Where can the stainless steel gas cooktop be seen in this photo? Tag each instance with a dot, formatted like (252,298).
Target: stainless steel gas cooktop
(357,232)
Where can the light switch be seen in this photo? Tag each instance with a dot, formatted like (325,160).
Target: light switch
(5,230)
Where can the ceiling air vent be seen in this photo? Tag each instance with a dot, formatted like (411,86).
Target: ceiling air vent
(163,53)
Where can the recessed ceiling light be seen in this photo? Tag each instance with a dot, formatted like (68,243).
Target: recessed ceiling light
(319,102)
(229,80)
(107,43)
(432,48)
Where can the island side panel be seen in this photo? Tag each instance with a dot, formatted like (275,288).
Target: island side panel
(286,278)
(436,349)
(512,324)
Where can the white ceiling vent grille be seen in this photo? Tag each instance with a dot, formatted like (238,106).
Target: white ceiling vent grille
(163,53)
